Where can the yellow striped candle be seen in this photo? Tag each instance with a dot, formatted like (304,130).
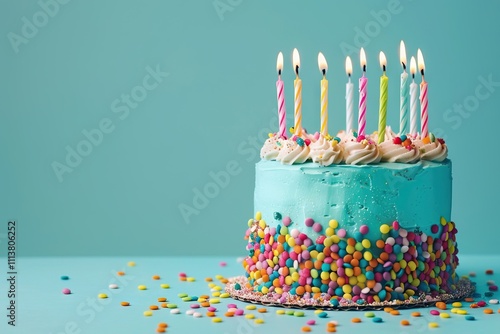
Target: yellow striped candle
(297,84)
(384,83)
(323,67)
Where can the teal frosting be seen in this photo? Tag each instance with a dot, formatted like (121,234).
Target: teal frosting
(416,195)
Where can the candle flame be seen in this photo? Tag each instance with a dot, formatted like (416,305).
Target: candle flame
(413,66)
(296,61)
(279,63)
(402,54)
(383,60)
(362,58)
(420,58)
(348,65)
(322,64)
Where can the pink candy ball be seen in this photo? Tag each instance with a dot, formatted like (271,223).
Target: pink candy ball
(364,229)
(317,227)
(309,222)
(341,233)
(286,221)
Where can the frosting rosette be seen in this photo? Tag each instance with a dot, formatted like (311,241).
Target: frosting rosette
(399,149)
(360,151)
(432,150)
(325,152)
(293,151)
(271,148)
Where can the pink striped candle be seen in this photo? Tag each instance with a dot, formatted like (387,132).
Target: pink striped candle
(424,115)
(280,92)
(363,82)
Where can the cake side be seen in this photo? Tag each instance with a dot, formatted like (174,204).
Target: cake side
(363,234)
(415,195)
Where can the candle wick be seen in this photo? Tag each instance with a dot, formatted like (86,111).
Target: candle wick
(413,76)
(297,70)
(422,72)
(279,72)
(383,68)
(324,72)
(364,68)
(349,75)
(404,66)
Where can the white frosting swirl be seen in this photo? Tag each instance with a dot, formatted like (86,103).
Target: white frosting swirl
(397,153)
(293,153)
(271,148)
(360,153)
(325,152)
(433,151)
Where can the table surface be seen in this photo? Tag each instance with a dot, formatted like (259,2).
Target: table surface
(41,307)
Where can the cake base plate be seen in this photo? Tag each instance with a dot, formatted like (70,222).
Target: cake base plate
(464,288)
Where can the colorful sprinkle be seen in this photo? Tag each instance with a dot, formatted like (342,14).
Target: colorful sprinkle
(433,325)
(124,303)
(65,278)
(102,296)
(142,287)
(405,323)
(113,286)
(131,264)
(66,291)
(356,320)
(369,314)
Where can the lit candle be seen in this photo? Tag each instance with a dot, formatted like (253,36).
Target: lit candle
(382,116)
(403,98)
(413,98)
(323,67)
(280,92)
(424,117)
(349,93)
(297,85)
(363,81)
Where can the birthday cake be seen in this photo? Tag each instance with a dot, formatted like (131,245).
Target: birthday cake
(353,220)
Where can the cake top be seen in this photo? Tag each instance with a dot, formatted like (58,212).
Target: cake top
(350,146)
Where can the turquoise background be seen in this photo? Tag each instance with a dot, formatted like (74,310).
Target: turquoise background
(218,100)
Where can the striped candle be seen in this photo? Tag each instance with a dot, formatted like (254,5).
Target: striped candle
(403,98)
(413,98)
(323,67)
(384,83)
(363,82)
(349,93)
(280,92)
(424,116)
(297,84)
